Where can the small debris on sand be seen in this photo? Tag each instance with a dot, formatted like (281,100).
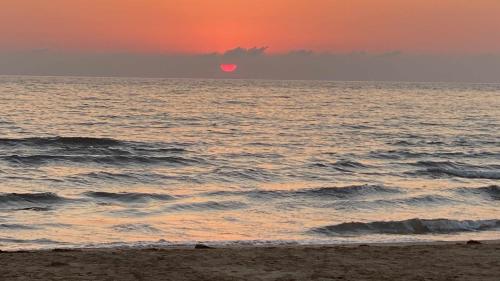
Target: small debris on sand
(202,246)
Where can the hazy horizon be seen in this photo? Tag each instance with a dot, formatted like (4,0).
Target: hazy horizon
(255,63)
(384,40)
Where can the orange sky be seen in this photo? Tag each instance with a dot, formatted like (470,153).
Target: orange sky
(187,26)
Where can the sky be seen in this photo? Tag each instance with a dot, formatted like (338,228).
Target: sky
(411,40)
(201,26)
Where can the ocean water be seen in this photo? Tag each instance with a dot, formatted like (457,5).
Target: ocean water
(99,162)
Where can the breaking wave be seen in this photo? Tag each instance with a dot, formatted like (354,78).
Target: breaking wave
(411,226)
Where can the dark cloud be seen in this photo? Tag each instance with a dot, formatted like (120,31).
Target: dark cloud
(255,63)
(241,52)
(301,53)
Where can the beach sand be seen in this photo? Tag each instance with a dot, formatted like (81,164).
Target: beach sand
(438,261)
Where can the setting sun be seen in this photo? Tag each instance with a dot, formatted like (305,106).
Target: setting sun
(228,67)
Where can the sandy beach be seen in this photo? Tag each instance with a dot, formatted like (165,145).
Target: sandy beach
(439,261)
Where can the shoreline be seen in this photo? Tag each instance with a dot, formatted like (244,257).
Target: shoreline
(440,260)
(245,244)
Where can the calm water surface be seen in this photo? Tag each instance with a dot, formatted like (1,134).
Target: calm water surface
(105,162)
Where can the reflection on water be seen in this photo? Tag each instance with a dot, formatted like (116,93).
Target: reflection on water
(101,161)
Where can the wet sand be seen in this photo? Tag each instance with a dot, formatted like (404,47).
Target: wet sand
(438,261)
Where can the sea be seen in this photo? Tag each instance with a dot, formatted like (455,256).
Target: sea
(132,162)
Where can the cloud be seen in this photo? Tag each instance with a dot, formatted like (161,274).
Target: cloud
(241,52)
(301,53)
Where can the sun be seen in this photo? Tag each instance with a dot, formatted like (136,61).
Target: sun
(228,67)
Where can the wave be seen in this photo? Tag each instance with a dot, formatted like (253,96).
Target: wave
(35,209)
(342,165)
(492,191)
(16,227)
(396,154)
(27,201)
(93,149)
(110,176)
(347,191)
(263,155)
(405,154)
(59,141)
(113,176)
(129,197)
(337,192)
(426,199)
(450,143)
(142,228)
(456,169)
(415,142)
(466,174)
(99,159)
(408,227)
(229,174)
(42,241)
(210,205)
(161,150)
(129,177)
(421,200)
